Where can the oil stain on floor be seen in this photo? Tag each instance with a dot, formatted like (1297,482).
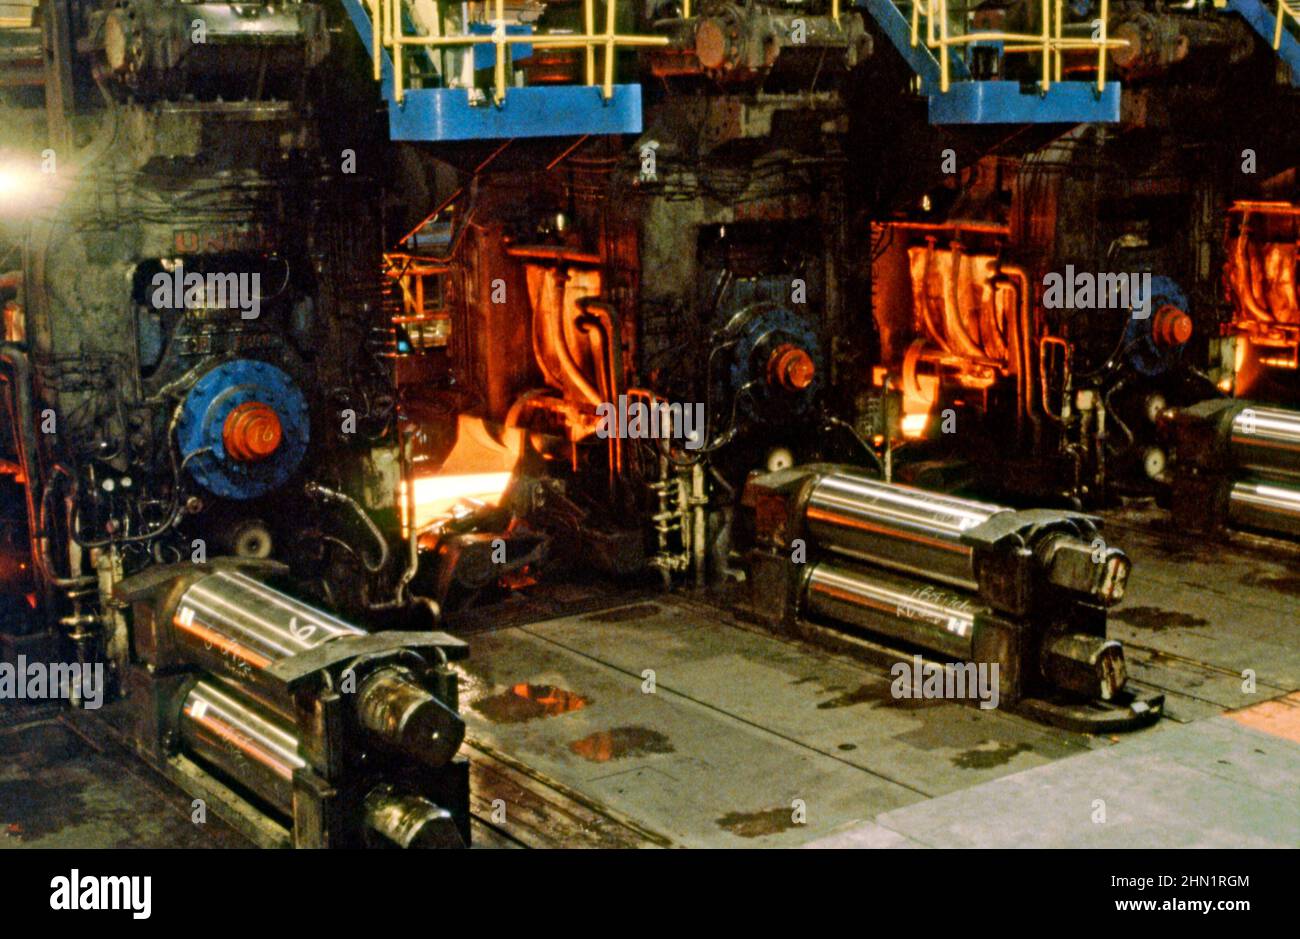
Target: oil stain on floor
(989,755)
(1157,620)
(1282,583)
(56,790)
(758,824)
(860,695)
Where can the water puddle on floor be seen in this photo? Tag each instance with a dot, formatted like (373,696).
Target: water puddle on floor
(606,745)
(526,702)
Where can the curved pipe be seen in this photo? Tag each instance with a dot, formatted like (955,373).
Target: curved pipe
(607,318)
(1024,347)
(952,316)
(1001,281)
(539,338)
(927,315)
(402,596)
(24,424)
(1246,286)
(1043,344)
(75,581)
(553,339)
(594,332)
(316,490)
(992,334)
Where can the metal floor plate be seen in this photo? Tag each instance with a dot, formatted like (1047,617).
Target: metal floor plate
(750,739)
(746,730)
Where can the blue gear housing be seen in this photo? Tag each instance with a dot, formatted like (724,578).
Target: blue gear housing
(756,331)
(203,416)
(1142,351)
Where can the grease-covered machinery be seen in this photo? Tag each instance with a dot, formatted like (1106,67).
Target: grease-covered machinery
(1236,463)
(952,579)
(300,726)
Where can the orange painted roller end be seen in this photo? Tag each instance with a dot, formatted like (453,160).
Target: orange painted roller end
(251,432)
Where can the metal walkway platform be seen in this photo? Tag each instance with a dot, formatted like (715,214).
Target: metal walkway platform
(451,114)
(968,100)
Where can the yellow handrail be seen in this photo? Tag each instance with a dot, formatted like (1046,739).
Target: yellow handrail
(1050,43)
(1283,8)
(1104,17)
(388,33)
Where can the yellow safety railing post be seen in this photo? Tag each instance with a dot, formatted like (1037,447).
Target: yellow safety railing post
(608,90)
(436,26)
(1277,28)
(590,12)
(943,45)
(916,21)
(1047,44)
(1101,47)
(1060,25)
(376,40)
(499,35)
(395,35)
(835,10)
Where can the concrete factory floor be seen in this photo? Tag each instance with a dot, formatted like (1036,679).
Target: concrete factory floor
(743,727)
(60,789)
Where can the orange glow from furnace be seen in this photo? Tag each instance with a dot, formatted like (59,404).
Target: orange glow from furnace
(436,496)
(477,470)
(913,425)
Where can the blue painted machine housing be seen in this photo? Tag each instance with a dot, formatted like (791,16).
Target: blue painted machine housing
(762,327)
(1141,349)
(203,415)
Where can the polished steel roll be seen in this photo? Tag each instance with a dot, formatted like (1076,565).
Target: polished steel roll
(1267,505)
(923,615)
(1266,441)
(232,625)
(906,529)
(256,749)
(245,742)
